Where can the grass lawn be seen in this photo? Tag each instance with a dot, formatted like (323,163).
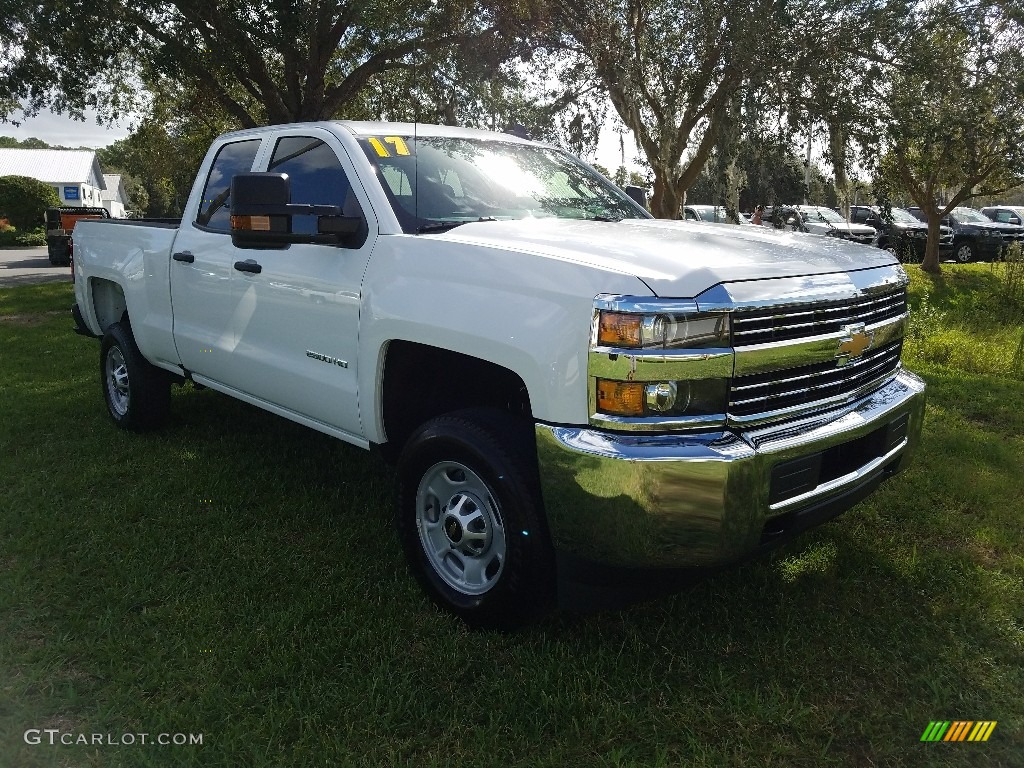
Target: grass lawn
(236,576)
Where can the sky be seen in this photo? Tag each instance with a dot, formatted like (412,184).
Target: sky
(63,131)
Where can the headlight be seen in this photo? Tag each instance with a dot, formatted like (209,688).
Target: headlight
(697,330)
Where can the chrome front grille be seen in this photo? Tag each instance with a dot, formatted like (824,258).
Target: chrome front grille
(797,322)
(784,391)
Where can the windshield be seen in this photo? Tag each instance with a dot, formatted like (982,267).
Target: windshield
(434,183)
(903,217)
(823,214)
(971,215)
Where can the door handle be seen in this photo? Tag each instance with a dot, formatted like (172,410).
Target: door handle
(185,256)
(249,265)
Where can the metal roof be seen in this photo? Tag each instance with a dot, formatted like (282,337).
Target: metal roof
(112,181)
(52,166)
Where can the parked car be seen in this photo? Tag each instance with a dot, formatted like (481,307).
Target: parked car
(712,213)
(901,233)
(975,236)
(1005,214)
(818,220)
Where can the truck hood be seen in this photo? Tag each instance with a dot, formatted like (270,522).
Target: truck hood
(1001,226)
(676,259)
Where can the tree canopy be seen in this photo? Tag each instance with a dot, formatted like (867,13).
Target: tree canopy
(952,115)
(262,62)
(927,96)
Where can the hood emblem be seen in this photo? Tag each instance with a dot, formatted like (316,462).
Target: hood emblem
(854,343)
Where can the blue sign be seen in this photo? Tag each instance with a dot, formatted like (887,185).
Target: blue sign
(70,193)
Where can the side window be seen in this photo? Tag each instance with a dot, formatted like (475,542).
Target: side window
(690,215)
(215,207)
(316,178)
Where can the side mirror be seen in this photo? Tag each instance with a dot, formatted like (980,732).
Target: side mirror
(637,194)
(1015,220)
(261,214)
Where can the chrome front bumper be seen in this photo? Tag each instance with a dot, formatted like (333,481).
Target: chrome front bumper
(697,500)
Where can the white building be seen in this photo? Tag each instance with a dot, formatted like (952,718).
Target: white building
(74,174)
(114,198)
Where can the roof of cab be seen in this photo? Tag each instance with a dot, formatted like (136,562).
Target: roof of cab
(361,128)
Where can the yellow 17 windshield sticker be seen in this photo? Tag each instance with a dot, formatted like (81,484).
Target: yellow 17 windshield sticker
(397,144)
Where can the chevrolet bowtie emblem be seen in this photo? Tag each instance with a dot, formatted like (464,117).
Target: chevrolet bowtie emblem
(854,343)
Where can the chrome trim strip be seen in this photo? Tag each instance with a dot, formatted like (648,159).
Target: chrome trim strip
(641,304)
(660,365)
(841,482)
(657,423)
(783,292)
(778,355)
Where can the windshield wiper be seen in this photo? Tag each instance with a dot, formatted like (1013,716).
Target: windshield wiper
(444,226)
(605,217)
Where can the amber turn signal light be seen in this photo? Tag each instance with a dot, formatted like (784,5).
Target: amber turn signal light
(253,223)
(620,398)
(620,329)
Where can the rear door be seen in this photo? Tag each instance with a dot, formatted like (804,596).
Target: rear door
(297,347)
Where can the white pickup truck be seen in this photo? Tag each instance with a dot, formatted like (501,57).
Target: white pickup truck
(562,378)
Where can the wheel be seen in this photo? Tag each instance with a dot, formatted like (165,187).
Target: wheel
(964,253)
(137,393)
(470,518)
(58,253)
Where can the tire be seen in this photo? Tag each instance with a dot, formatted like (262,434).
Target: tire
(470,518)
(58,253)
(137,393)
(964,253)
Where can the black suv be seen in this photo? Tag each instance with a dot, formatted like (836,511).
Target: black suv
(974,236)
(901,234)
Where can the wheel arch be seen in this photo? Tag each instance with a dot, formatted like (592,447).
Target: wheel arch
(419,382)
(108,304)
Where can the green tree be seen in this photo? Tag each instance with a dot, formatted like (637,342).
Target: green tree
(23,200)
(9,142)
(947,139)
(262,62)
(670,71)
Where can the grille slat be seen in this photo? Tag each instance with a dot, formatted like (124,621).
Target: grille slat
(767,325)
(780,390)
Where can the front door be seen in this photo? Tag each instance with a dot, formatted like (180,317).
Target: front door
(297,346)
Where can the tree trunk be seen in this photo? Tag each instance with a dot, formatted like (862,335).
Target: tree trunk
(669,196)
(730,178)
(837,147)
(931,248)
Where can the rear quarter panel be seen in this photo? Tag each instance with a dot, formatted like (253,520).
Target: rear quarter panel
(136,257)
